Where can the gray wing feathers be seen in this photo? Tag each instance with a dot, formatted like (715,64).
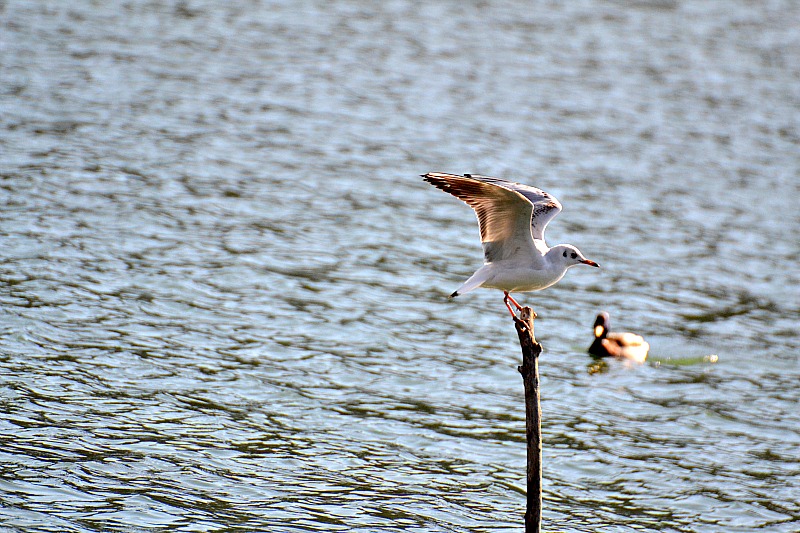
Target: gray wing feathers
(510,215)
(545,205)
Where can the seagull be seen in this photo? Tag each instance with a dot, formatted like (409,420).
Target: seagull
(623,345)
(512,218)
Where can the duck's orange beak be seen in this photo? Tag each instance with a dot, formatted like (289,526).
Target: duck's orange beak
(590,263)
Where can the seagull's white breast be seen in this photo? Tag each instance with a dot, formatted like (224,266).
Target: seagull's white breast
(520,277)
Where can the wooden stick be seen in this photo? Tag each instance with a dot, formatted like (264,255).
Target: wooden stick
(533,417)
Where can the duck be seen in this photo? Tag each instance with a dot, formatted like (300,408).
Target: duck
(621,345)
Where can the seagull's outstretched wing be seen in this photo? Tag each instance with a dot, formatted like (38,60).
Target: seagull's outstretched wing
(545,205)
(510,215)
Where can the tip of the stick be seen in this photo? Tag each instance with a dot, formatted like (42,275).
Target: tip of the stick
(454,294)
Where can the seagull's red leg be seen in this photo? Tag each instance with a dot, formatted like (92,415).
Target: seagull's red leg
(513,301)
(505,301)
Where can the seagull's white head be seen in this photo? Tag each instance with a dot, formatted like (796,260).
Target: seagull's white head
(568,255)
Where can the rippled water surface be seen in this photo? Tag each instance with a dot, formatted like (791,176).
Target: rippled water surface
(224,286)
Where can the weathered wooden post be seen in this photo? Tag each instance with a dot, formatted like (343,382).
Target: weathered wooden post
(533,417)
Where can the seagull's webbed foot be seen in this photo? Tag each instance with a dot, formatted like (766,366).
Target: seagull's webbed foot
(513,301)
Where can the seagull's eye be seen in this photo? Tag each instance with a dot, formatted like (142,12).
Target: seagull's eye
(574,255)
(565,253)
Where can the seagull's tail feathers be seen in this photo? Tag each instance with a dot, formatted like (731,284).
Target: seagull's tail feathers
(476,280)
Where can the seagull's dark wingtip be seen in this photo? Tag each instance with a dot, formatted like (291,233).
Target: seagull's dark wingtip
(454,294)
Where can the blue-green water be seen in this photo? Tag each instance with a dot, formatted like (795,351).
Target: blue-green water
(223,285)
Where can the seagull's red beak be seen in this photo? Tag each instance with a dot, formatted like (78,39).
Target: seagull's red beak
(590,263)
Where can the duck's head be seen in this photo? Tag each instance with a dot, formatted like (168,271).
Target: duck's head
(601,325)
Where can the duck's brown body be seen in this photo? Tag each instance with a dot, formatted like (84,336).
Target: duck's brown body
(623,345)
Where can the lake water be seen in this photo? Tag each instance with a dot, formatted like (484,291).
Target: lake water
(224,287)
